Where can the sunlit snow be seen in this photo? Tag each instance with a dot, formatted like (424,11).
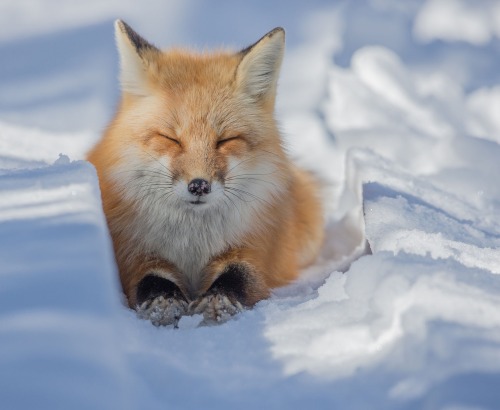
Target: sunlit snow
(396,105)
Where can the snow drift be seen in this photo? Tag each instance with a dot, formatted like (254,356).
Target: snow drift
(402,309)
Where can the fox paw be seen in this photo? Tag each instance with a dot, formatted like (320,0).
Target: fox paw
(162,310)
(216,308)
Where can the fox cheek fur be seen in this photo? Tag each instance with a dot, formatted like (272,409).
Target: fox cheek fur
(206,211)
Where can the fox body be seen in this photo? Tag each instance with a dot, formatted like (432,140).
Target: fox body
(206,211)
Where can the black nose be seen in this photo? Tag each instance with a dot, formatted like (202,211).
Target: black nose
(199,187)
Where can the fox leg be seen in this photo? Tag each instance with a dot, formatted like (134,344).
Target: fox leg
(230,285)
(158,296)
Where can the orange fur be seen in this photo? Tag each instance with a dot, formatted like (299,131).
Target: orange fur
(196,117)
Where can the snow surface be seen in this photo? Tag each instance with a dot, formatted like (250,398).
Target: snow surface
(396,104)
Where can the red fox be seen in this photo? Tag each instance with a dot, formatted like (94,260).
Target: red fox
(206,211)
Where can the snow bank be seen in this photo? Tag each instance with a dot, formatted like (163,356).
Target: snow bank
(458,20)
(420,314)
(411,153)
(59,301)
(423,308)
(22,148)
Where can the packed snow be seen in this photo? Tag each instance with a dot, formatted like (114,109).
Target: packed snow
(396,105)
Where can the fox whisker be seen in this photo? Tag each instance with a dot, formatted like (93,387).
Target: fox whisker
(243,192)
(243,162)
(250,180)
(231,200)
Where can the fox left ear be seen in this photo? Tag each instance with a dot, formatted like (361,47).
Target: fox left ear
(257,73)
(135,54)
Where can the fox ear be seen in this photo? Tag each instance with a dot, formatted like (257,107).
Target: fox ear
(134,53)
(257,73)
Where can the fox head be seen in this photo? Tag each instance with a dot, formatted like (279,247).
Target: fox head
(197,130)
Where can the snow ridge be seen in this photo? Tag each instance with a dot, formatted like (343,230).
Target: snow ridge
(396,113)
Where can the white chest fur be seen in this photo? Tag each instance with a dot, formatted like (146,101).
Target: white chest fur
(188,238)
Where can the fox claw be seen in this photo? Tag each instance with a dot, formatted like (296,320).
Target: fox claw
(163,311)
(216,308)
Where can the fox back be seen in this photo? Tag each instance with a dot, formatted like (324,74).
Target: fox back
(194,177)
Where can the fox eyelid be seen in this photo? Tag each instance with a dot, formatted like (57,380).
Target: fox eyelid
(223,141)
(170,138)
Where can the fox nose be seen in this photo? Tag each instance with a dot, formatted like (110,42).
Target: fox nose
(199,187)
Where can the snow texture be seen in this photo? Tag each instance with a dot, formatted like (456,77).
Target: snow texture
(395,104)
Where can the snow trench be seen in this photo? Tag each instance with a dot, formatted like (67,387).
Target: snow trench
(402,308)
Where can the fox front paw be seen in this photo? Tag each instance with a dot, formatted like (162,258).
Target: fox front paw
(163,311)
(160,301)
(216,308)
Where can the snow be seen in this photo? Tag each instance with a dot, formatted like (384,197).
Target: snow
(394,104)
(475,22)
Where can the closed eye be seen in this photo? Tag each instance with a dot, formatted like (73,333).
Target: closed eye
(226,140)
(171,139)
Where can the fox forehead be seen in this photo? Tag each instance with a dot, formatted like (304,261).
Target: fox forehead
(196,94)
(179,70)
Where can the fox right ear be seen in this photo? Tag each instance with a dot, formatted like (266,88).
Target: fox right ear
(134,53)
(258,70)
